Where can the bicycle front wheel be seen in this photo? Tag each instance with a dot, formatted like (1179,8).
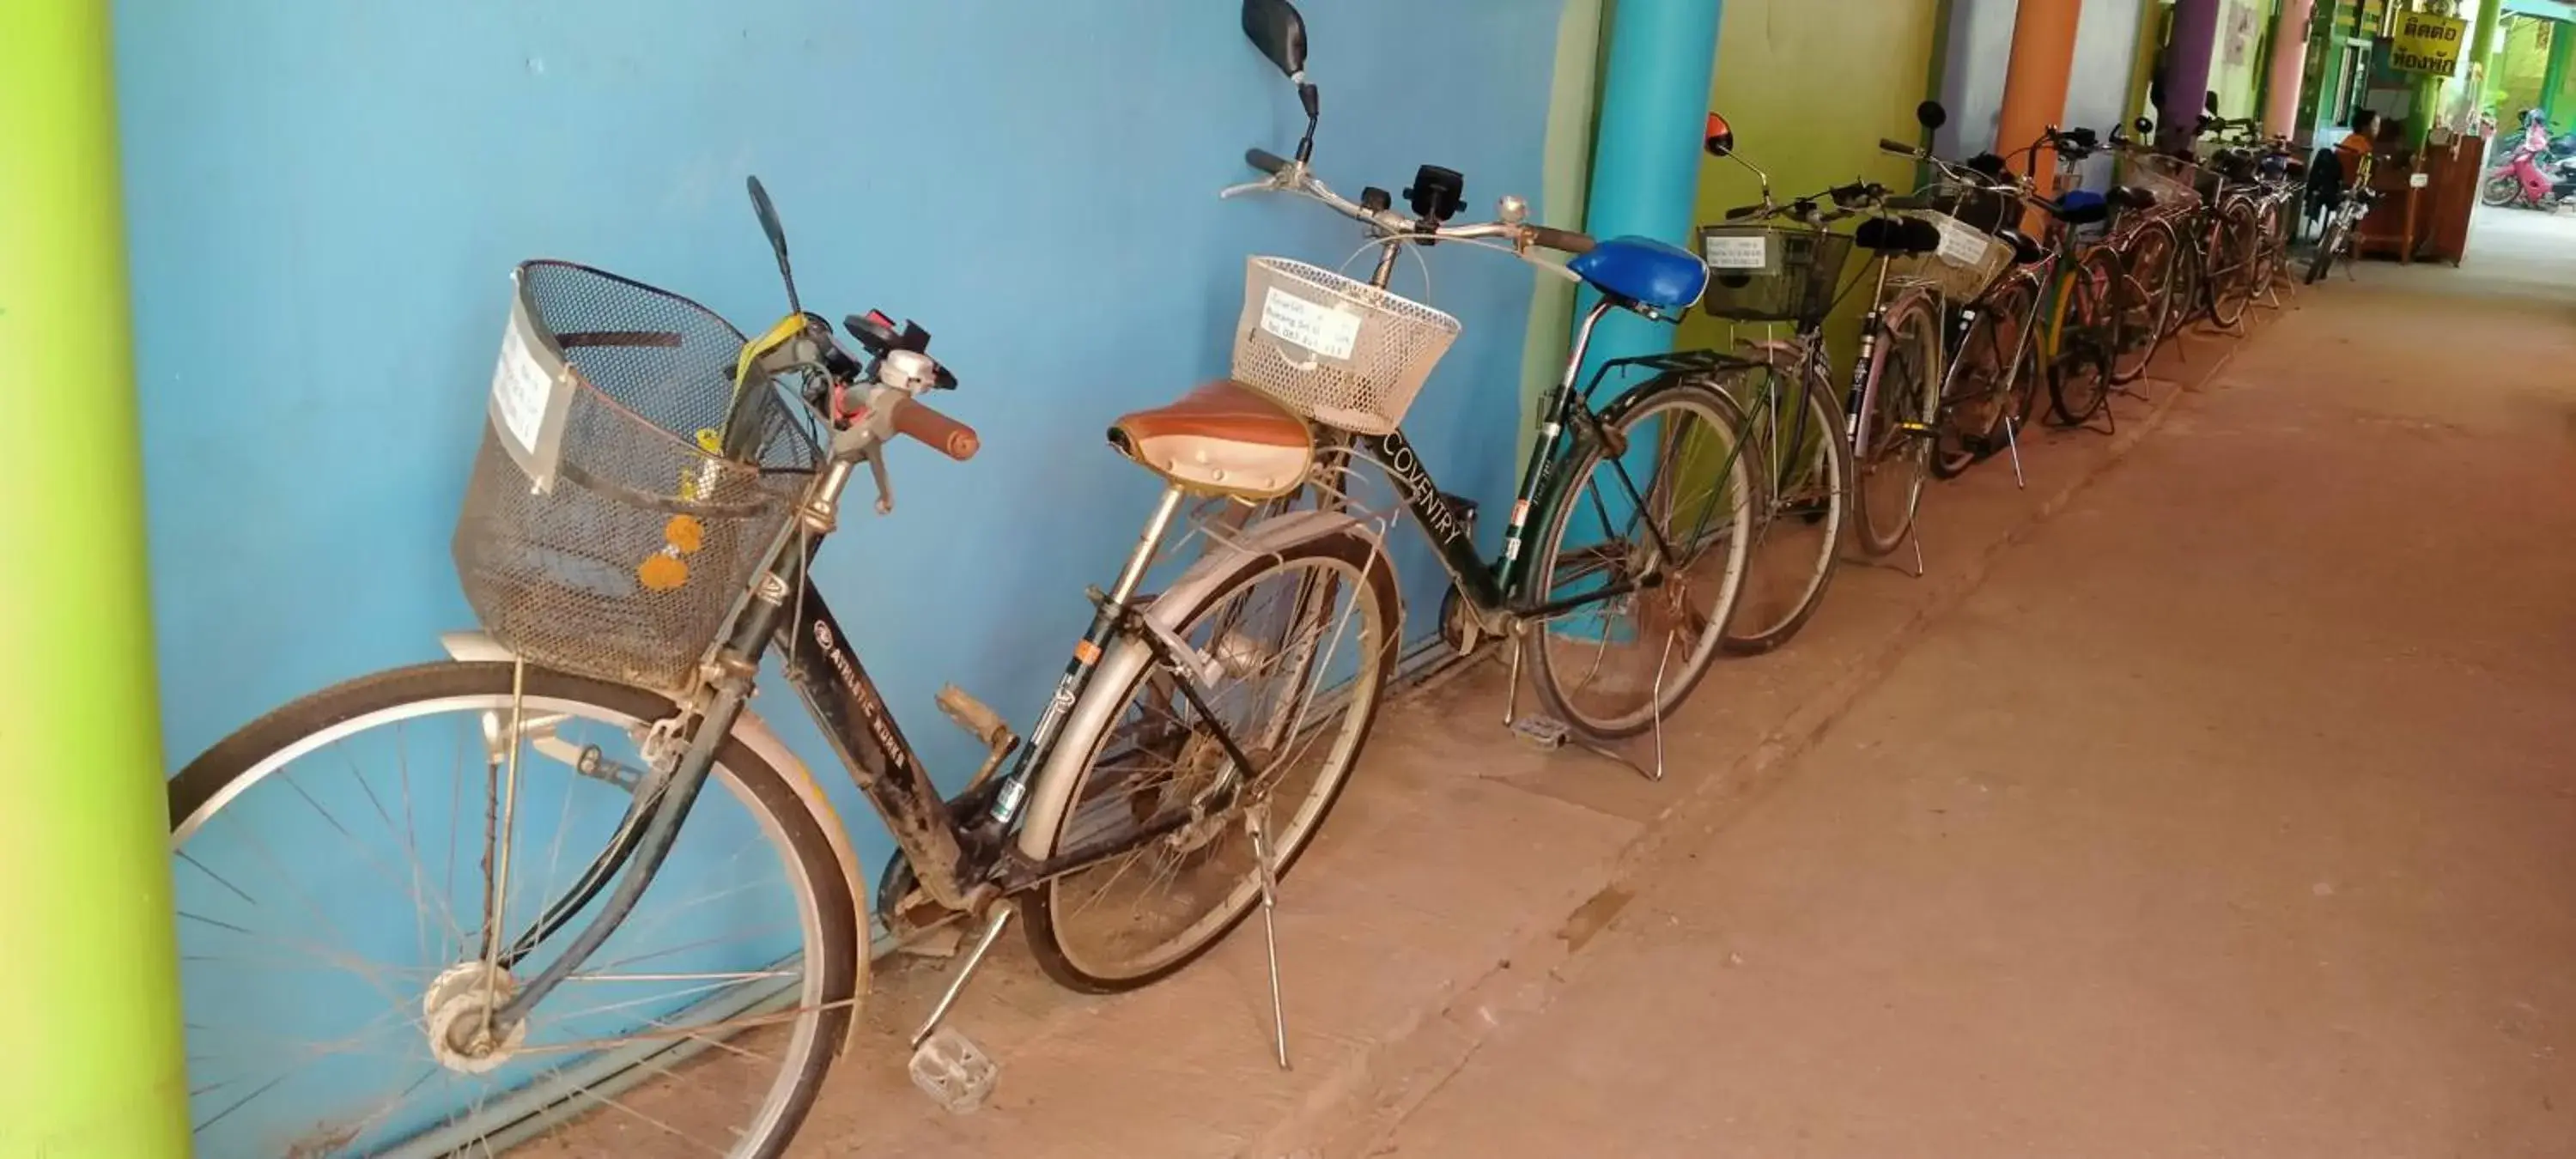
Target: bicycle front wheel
(2329,247)
(1646,540)
(1305,639)
(364,874)
(2232,282)
(1802,482)
(2147,265)
(1894,446)
(2088,337)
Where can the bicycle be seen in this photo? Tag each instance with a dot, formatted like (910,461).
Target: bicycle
(2343,219)
(1773,263)
(636,538)
(1591,556)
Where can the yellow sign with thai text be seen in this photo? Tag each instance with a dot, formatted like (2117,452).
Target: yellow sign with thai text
(2428,43)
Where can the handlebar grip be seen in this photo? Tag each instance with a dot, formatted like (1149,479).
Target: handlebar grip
(1903,203)
(937,431)
(1265,160)
(1741,212)
(1564,240)
(1893,145)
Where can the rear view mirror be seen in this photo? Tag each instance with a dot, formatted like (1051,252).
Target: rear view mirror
(2145,127)
(768,215)
(1720,137)
(1931,115)
(1278,31)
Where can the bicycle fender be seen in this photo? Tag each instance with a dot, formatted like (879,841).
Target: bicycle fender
(756,735)
(1098,706)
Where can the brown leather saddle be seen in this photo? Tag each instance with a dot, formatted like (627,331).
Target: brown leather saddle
(1223,438)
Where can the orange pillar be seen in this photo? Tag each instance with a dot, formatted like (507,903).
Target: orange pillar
(2043,56)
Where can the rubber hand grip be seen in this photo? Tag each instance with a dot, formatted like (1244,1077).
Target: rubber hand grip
(1742,211)
(938,431)
(1893,145)
(1565,240)
(1264,160)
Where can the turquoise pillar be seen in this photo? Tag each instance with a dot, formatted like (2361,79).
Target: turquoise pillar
(1646,157)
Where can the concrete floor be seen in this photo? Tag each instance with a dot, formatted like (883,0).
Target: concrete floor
(2213,796)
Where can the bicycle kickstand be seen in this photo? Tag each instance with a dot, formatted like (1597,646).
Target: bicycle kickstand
(1255,822)
(2012,443)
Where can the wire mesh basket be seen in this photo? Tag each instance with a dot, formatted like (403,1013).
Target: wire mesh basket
(1968,261)
(2175,182)
(1763,273)
(603,532)
(1339,351)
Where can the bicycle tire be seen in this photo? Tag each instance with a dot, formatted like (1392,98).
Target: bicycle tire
(1732,489)
(2239,244)
(2147,263)
(1973,405)
(2183,304)
(1829,463)
(235,766)
(2088,334)
(1904,388)
(2499,191)
(1124,676)
(2328,243)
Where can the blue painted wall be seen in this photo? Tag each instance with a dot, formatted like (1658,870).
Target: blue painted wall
(326,197)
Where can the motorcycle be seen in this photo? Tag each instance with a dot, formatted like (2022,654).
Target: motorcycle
(2529,181)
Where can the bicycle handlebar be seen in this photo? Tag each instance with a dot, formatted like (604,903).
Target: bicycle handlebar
(1395,226)
(923,424)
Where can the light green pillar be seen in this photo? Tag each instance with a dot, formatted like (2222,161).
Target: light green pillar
(90,1063)
(1565,172)
(2562,45)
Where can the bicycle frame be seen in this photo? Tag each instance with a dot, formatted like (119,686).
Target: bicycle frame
(1499,588)
(958,849)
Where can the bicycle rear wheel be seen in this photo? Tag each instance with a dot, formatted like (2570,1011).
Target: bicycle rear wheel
(1306,639)
(360,877)
(1801,482)
(1987,383)
(2183,301)
(1672,515)
(1894,446)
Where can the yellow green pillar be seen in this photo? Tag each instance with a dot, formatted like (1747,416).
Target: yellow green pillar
(2562,45)
(90,1055)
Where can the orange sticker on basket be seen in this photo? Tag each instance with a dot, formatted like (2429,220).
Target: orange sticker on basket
(685,534)
(661,573)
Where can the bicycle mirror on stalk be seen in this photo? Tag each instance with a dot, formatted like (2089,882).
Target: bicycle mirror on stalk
(1931,115)
(1719,140)
(777,239)
(1276,28)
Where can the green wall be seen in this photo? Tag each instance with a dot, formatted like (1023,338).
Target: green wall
(1810,90)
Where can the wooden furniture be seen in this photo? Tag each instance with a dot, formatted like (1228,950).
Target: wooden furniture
(2427,219)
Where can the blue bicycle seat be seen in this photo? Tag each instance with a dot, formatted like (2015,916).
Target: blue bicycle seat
(1643,270)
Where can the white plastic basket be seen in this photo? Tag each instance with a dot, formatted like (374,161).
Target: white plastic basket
(1338,351)
(1969,260)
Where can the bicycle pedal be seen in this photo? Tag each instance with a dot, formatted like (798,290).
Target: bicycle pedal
(954,1072)
(1544,731)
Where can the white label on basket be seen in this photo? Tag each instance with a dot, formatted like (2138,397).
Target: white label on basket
(1324,329)
(521,390)
(1737,253)
(1960,245)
